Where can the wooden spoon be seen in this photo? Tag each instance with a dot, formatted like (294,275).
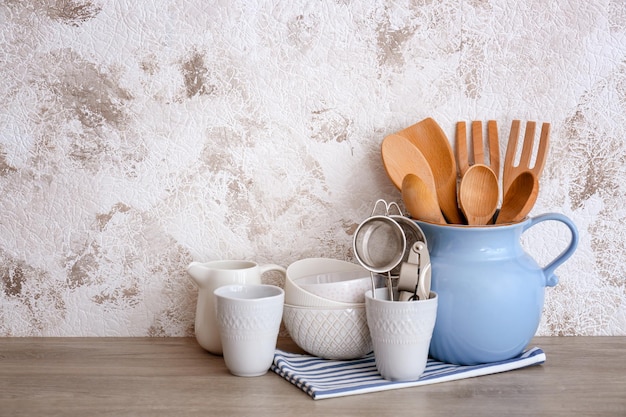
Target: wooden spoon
(431,140)
(478,194)
(401,157)
(519,199)
(420,201)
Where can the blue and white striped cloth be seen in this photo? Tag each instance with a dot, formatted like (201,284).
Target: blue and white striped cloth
(322,378)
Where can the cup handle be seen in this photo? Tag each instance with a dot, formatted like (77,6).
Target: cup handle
(548,270)
(272,267)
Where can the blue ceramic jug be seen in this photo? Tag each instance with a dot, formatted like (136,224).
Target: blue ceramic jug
(491,292)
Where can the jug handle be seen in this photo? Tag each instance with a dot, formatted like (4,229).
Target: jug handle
(548,270)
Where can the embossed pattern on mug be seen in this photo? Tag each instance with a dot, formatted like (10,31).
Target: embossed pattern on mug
(256,319)
(397,327)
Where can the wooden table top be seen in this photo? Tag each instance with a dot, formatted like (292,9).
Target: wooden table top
(583,376)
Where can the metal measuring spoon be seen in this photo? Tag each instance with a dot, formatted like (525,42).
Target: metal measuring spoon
(415,276)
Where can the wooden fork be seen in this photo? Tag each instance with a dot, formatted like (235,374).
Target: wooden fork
(478,154)
(511,171)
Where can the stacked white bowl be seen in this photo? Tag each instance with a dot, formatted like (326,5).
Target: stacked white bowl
(324,309)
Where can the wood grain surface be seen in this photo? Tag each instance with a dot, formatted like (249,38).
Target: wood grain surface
(584,376)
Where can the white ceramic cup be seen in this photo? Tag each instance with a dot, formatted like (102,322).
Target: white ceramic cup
(248,317)
(401,333)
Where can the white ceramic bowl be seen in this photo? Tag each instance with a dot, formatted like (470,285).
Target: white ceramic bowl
(298,296)
(329,333)
(345,286)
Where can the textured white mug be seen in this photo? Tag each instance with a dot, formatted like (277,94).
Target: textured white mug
(248,317)
(401,332)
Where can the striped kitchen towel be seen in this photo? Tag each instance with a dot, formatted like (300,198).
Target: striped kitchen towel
(322,378)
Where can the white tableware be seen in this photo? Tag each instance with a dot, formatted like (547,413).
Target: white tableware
(401,332)
(208,277)
(346,286)
(298,296)
(329,332)
(248,318)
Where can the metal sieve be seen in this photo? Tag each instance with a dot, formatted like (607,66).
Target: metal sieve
(379,245)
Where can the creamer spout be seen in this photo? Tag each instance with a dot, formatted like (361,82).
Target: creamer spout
(199,273)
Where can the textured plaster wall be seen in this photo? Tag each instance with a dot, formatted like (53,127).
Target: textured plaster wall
(137,136)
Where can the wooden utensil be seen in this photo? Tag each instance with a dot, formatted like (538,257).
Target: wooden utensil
(478,194)
(431,140)
(519,199)
(478,191)
(478,155)
(401,157)
(511,171)
(419,200)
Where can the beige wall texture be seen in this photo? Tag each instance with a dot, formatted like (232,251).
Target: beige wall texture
(138,136)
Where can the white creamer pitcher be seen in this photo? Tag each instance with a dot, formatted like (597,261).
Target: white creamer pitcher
(208,277)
